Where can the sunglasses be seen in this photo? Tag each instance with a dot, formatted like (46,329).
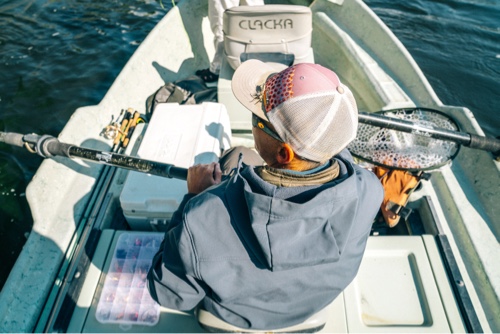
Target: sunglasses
(259,123)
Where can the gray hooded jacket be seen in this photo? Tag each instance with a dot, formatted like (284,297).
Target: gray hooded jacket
(265,257)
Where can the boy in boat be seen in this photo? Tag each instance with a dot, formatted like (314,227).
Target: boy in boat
(273,244)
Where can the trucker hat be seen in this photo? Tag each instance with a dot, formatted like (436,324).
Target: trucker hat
(307,104)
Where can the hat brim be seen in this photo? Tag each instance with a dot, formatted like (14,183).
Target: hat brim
(247,80)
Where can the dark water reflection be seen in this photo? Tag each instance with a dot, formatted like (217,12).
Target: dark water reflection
(56,56)
(456,44)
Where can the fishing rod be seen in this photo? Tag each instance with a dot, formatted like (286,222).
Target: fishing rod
(426,125)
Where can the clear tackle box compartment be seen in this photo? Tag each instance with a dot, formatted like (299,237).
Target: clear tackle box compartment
(124,297)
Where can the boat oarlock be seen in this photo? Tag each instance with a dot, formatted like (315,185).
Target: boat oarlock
(407,139)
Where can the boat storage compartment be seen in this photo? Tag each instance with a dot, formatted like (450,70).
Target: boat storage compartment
(182,135)
(401,287)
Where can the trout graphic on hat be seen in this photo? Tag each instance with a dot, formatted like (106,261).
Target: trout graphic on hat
(307,104)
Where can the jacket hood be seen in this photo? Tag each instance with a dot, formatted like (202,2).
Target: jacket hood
(297,233)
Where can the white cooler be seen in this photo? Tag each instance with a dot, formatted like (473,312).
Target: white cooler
(182,135)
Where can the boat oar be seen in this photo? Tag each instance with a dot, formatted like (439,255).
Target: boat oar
(48,146)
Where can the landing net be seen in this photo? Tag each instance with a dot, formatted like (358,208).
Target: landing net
(408,151)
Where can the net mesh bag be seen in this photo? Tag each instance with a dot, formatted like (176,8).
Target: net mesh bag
(408,151)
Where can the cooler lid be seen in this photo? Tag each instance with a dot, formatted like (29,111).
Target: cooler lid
(183,135)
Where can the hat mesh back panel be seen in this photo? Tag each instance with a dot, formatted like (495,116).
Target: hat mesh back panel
(317,126)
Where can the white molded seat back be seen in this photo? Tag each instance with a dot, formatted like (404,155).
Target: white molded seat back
(271,33)
(213,324)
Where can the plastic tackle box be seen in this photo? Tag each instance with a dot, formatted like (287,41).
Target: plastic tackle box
(124,297)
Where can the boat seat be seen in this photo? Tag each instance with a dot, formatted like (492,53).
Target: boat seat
(271,33)
(211,323)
